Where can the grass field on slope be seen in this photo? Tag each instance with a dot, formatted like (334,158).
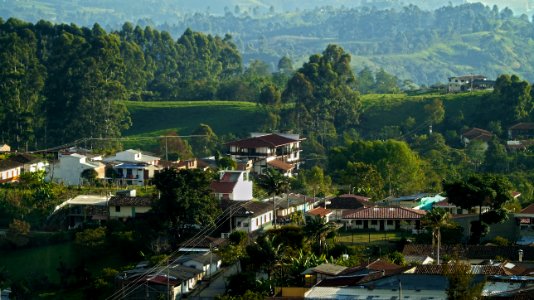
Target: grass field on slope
(158,118)
(393,110)
(223,117)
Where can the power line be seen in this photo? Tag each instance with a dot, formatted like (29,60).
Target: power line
(85,140)
(131,286)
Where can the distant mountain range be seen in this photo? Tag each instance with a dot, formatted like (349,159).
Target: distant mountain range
(422,43)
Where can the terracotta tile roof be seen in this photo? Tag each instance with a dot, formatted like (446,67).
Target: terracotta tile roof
(477,134)
(475,269)
(371,213)
(427,250)
(281,165)
(528,210)
(509,253)
(129,201)
(522,126)
(443,203)
(225,187)
(7,164)
(319,211)
(348,201)
(24,158)
(270,140)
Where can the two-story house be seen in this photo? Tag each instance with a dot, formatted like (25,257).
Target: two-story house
(469,83)
(233,185)
(133,167)
(69,168)
(278,151)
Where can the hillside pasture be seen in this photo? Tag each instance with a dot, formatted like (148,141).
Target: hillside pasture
(152,119)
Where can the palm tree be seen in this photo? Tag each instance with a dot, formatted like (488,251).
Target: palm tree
(274,183)
(267,253)
(436,219)
(317,229)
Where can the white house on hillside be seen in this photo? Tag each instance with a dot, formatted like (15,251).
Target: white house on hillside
(68,169)
(132,156)
(233,185)
(133,167)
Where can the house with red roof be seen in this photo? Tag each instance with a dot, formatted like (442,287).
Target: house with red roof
(320,212)
(276,150)
(476,134)
(525,219)
(384,218)
(346,202)
(233,185)
(523,130)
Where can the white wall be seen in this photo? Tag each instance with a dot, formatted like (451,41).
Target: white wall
(69,169)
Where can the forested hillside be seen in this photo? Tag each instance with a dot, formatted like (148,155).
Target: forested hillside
(63,82)
(418,43)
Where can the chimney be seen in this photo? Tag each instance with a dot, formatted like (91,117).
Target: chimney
(520,252)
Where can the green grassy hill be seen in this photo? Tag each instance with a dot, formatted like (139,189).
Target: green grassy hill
(380,111)
(151,119)
(157,118)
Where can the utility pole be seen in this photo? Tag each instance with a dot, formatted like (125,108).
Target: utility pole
(166,150)
(168,283)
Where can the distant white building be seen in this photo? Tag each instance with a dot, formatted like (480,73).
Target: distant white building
(68,169)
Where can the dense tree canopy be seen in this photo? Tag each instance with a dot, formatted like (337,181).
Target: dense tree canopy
(477,191)
(398,166)
(185,199)
(324,93)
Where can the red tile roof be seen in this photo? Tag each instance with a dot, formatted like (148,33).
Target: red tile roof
(320,211)
(522,126)
(226,187)
(371,213)
(475,269)
(270,140)
(477,134)
(472,251)
(528,210)
(443,203)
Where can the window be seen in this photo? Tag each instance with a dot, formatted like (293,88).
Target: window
(374,222)
(390,222)
(117,208)
(358,222)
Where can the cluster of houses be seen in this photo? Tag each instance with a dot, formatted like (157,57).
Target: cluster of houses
(466,83)
(234,190)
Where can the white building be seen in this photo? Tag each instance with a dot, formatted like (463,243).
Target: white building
(132,167)
(233,185)
(68,169)
(132,156)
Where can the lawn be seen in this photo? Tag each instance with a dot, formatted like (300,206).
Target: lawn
(155,118)
(44,260)
(359,237)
